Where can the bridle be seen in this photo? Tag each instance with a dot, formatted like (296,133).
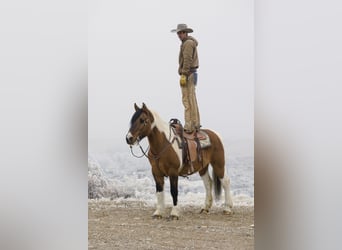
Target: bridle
(144,152)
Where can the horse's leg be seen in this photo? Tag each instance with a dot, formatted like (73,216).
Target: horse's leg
(228,204)
(219,171)
(160,196)
(204,173)
(174,192)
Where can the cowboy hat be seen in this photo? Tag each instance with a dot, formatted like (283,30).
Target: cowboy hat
(182,27)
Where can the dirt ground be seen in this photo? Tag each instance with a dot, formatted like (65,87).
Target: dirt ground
(129,225)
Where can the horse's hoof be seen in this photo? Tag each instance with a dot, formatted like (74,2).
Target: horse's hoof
(174,217)
(157,216)
(204,211)
(228,212)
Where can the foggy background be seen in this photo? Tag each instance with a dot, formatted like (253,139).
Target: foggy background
(133,57)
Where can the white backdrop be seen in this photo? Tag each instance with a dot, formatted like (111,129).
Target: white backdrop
(133,57)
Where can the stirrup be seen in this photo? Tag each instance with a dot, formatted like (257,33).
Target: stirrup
(188,132)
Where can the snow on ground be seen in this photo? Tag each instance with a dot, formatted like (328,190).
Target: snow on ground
(118,175)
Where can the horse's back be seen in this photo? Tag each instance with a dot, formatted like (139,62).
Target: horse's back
(214,137)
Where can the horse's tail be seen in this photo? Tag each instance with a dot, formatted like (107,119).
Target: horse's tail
(217,186)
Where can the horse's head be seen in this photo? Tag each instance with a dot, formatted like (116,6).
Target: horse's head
(140,125)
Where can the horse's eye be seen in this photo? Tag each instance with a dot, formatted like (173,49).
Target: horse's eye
(142,120)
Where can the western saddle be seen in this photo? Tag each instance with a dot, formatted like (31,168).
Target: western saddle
(191,144)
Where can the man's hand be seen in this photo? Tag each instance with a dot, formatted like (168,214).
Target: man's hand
(182,80)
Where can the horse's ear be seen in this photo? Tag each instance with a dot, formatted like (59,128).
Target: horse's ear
(136,107)
(144,106)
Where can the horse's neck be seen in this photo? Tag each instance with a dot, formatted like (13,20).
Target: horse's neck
(156,138)
(159,133)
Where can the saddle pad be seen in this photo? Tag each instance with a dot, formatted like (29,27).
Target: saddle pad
(204,139)
(202,136)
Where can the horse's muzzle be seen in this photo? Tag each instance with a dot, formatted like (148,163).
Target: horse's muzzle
(129,139)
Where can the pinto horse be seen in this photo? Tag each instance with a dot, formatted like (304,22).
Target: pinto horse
(166,160)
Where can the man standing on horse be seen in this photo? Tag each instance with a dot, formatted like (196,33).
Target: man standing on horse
(188,65)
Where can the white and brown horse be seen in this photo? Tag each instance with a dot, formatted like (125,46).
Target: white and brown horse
(166,160)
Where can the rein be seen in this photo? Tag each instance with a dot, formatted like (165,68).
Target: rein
(142,150)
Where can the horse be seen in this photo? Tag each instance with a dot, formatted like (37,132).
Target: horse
(165,157)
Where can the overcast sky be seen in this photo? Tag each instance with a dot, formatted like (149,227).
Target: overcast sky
(133,57)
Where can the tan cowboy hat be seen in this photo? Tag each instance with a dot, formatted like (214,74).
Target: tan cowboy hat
(182,27)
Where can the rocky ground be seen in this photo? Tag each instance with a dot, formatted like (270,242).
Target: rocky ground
(129,225)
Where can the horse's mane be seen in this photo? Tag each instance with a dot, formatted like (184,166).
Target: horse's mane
(158,122)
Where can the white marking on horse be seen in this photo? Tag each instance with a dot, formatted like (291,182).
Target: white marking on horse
(175,212)
(228,204)
(129,135)
(160,204)
(208,190)
(165,128)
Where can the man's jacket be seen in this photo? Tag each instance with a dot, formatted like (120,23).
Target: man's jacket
(188,57)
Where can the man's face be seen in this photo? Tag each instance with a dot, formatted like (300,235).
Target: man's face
(181,35)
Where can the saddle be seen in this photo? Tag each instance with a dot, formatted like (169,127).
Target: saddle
(191,144)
